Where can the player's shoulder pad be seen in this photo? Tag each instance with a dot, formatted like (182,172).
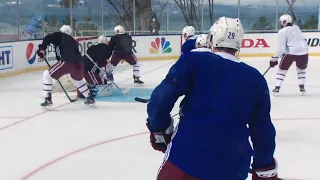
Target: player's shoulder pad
(57,33)
(193,38)
(256,73)
(105,46)
(53,34)
(282,30)
(199,55)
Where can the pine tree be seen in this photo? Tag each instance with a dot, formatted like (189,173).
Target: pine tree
(310,23)
(88,25)
(66,4)
(262,23)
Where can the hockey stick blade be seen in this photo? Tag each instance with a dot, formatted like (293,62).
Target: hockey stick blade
(125,91)
(73,100)
(141,100)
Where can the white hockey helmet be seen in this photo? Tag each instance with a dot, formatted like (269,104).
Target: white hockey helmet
(227,33)
(188,31)
(102,39)
(284,20)
(66,29)
(202,41)
(119,30)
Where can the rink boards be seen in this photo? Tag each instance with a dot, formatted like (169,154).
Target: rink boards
(20,57)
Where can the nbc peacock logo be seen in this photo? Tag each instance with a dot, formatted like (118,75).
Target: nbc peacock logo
(160,46)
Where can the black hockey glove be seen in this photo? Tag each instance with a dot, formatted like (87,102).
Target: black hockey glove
(41,51)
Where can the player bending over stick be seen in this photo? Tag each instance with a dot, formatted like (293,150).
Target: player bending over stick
(99,53)
(69,62)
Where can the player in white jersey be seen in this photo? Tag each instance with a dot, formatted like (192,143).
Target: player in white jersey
(293,48)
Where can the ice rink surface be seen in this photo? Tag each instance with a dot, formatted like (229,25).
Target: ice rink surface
(111,142)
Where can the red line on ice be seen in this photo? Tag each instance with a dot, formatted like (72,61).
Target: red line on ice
(13,117)
(33,116)
(78,151)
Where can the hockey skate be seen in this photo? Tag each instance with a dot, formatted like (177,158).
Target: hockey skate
(302,90)
(93,90)
(90,101)
(47,102)
(276,90)
(137,81)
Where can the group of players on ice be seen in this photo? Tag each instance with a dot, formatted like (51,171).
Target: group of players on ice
(219,111)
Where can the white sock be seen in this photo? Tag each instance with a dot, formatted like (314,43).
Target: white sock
(281,74)
(301,76)
(136,69)
(47,83)
(82,86)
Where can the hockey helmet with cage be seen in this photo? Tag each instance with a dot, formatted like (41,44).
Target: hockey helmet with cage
(226,33)
(66,29)
(119,30)
(202,41)
(102,39)
(188,31)
(284,20)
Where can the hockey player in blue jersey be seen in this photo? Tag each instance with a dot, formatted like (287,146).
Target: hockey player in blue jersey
(226,102)
(202,45)
(190,40)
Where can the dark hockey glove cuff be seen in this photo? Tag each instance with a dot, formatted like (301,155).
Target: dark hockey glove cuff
(159,140)
(266,173)
(40,47)
(41,51)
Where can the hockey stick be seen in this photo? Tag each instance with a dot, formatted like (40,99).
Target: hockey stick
(290,6)
(267,70)
(65,92)
(122,92)
(141,100)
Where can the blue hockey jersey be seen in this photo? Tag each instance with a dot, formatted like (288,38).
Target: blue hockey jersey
(189,45)
(226,101)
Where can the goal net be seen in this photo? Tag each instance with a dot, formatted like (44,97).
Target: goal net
(66,82)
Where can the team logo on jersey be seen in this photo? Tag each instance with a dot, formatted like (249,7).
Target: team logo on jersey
(31,53)
(160,46)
